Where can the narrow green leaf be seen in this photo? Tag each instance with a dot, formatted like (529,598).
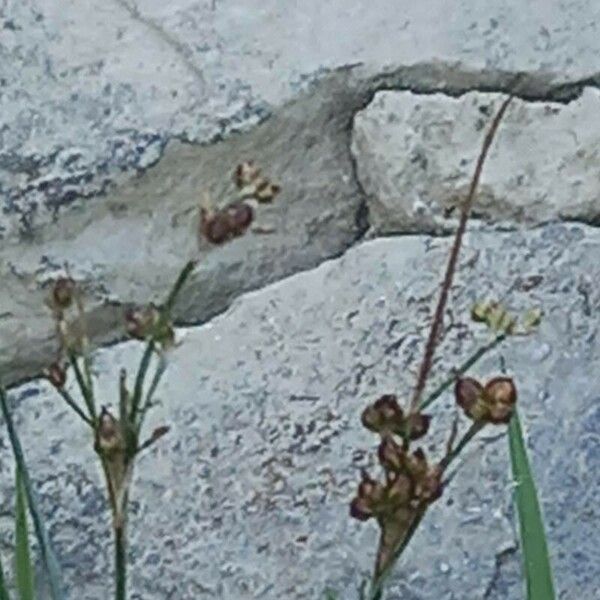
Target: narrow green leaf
(47,553)
(536,562)
(24,572)
(3,589)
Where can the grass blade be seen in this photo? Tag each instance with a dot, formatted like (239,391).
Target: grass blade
(536,562)
(24,572)
(47,553)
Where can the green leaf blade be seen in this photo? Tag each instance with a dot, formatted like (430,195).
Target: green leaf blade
(24,571)
(48,556)
(536,560)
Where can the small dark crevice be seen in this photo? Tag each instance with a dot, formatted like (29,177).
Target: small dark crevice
(502,559)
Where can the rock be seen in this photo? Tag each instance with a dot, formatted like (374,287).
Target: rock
(126,246)
(247,497)
(84,98)
(415,156)
(129,247)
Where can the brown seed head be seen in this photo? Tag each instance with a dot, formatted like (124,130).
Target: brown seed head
(501,396)
(493,403)
(63,292)
(391,455)
(56,375)
(245,173)
(386,415)
(141,323)
(108,433)
(240,215)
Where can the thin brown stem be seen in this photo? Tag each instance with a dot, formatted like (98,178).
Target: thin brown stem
(436,324)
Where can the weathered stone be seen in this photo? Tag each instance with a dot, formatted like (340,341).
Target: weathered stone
(86,100)
(125,247)
(415,156)
(248,495)
(129,247)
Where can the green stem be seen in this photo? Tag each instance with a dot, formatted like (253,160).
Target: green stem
(376,591)
(71,402)
(160,369)
(48,557)
(139,379)
(475,428)
(460,370)
(86,392)
(179,283)
(120,562)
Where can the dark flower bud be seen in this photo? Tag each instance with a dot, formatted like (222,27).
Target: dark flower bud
(384,414)
(159,432)
(417,424)
(56,375)
(240,215)
(63,292)
(108,433)
(391,455)
(141,322)
(215,227)
(369,496)
(493,403)
(501,396)
(400,489)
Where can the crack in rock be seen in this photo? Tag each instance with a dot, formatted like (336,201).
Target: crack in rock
(127,246)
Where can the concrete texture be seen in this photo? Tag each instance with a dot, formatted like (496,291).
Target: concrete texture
(248,495)
(415,157)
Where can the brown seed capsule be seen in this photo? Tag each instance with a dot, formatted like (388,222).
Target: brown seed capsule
(391,455)
(245,173)
(56,375)
(384,413)
(429,487)
(108,433)
(240,217)
(159,432)
(468,392)
(400,489)
(215,227)
(493,403)
(140,323)
(417,424)
(370,494)
(63,292)
(501,396)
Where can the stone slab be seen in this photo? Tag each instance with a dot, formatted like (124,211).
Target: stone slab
(248,495)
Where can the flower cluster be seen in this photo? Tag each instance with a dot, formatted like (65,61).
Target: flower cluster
(410,482)
(493,403)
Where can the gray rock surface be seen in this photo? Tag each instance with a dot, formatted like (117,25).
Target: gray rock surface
(92,91)
(115,116)
(415,156)
(247,496)
(125,247)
